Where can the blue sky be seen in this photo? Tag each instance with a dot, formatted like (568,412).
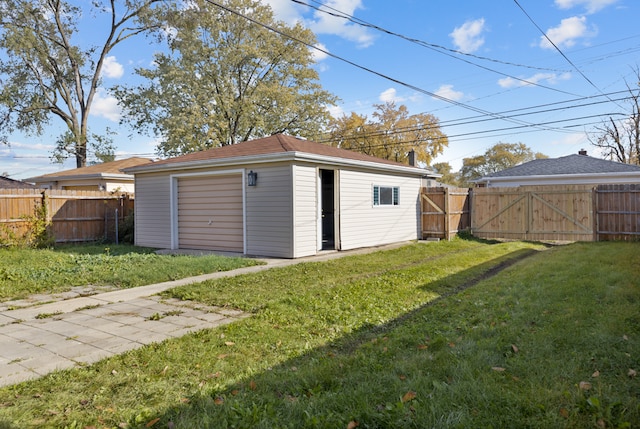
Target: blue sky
(486,69)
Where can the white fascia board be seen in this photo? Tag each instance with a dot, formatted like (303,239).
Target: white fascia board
(105,176)
(574,179)
(279,157)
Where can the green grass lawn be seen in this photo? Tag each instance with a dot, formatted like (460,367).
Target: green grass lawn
(419,337)
(25,272)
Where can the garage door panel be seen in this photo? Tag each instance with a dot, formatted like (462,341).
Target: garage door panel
(210,213)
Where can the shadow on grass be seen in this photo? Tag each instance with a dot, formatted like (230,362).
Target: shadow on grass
(368,378)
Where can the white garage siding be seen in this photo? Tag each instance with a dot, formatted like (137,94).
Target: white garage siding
(362,224)
(152,215)
(210,213)
(305,182)
(269,212)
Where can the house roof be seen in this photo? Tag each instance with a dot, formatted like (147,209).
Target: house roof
(113,169)
(7,183)
(571,164)
(269,147)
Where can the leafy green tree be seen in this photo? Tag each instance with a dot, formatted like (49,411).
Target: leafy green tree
(47,72)
(497,158)
(226,79)
(448,176)
(391,134)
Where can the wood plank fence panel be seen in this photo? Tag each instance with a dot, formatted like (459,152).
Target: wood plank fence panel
(539,213)
(15,205)
(445,212)
(618,212)
(74,216)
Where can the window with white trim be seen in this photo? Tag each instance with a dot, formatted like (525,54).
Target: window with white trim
(386,195)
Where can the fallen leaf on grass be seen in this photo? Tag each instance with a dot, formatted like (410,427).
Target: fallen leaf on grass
(423,347)
(164,371)
(222,356)
(584,385)
(409,396)
(152,422)
(632,373)
(596,374)
(514,348)
(564,413)
(353,424)
(498,368)
(229,343)
(253,385)
(235,392)
(219,400)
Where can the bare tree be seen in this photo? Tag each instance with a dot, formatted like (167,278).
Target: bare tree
(619,140)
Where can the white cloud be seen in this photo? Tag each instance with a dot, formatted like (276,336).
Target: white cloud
(449,93)
(285,10)
(335,111)
(468,37)
(565,34)
(551,78)
(390,95)
(106,105)
(592,6)
(112,68)
(317,54)
(323,23)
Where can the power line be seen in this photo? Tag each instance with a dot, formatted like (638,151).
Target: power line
(477,119)
(369,70)
(438,48)
(558,49)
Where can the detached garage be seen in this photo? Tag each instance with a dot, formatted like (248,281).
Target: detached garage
(279,196)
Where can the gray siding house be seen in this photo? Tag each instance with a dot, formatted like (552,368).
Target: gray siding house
(278,196)
(579,169)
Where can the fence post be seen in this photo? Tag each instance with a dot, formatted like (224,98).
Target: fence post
(595,209)
(447,215)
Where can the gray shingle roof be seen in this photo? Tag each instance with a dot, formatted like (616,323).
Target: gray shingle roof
(7,183)
(570,164)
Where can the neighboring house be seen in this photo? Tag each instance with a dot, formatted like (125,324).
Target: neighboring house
(108,176)
(579,169)
(7,183)
(277,196)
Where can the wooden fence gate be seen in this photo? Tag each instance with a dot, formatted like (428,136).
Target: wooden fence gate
(536,213)
(445,212)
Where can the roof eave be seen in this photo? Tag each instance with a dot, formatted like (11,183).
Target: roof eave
(104,176)
(554,177)
(279,157)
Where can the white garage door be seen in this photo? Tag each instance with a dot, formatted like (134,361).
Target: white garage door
(210,213)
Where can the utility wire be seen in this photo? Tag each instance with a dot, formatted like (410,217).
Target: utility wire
(438,48)
(369,70)
(544,34)
(480,118)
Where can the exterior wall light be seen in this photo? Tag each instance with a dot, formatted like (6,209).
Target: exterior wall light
(252,178)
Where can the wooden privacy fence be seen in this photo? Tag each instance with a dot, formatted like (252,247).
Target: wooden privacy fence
(618,212)
(539,213)
(445,212)
(73,216)
(535,213)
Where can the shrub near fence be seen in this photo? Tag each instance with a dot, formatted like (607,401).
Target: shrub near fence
(72,216)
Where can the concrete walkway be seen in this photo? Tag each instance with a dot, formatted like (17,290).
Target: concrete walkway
(37,338)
